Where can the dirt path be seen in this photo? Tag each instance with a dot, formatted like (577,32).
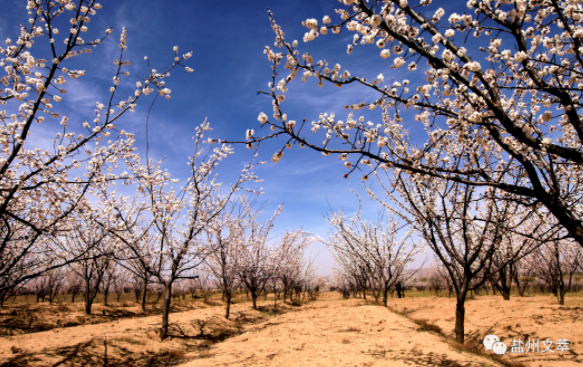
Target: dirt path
(337,333)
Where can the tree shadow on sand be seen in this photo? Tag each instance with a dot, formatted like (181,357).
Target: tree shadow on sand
(416,357)
(97,352)
(25,321)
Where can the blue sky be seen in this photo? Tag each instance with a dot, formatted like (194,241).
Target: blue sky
(228,39)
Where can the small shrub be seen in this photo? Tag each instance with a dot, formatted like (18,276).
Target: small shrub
(353,330)
(15,350)
(296,302)
(346,341)
(63,308)
(427,326)
(206,354)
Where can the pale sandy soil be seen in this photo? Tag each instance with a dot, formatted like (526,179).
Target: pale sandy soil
(130,341)
(328,332)
(519,318)
(338,333)
(28,318)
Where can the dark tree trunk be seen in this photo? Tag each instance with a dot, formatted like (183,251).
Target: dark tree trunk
(88,302)
(166,311)
(74,293)
(399,290)
(504,282)
(555,291)
(460,314)
(228,308)
(254,299)
(105,296)
(506,293)
(144,295)
(137,293)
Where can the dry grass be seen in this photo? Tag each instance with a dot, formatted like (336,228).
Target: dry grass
(296,302)
(128,340)
(353,329)
(428,326)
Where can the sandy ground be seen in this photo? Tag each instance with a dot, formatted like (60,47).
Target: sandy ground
(131,341)
(345,333)
(30,318)
(519,318)
(328,332)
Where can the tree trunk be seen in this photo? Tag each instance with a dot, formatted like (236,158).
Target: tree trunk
(137,294)
(228,308)
(254,298)
(166,311)
(88,303)
(561,294)
(520,285)
(73,295)
(460,314)
(506,294)
(385,296)
(144,294)
(105,295)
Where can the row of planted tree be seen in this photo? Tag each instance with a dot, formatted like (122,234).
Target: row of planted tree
(545,277)
(235,252)
(475,149)
(114,285)
(495,184)
(478,239)
(60,208)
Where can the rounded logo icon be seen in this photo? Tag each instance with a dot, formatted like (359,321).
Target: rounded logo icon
(499,348)
(489,340)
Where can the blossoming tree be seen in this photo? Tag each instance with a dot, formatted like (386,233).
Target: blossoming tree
(556,264)
(375,247)
(465,227)
(257,257)
(164,229)
(506,104)
(41,187)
